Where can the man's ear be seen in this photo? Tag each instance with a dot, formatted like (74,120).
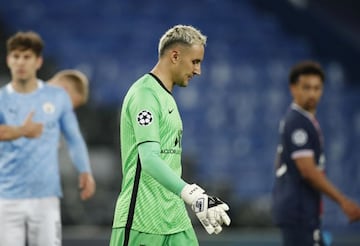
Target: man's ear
(7,61)
(175,56)
(39,62)
(292,88)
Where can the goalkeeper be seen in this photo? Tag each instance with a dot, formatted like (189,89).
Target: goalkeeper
(150,209)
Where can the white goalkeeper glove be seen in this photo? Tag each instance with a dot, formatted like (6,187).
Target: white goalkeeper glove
(211,211)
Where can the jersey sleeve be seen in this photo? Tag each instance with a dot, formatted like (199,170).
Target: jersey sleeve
(75,142)
(2,118)
(152,164)
(299,139)
(144,112)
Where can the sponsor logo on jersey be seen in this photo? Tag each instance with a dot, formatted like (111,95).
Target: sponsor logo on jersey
(170,151)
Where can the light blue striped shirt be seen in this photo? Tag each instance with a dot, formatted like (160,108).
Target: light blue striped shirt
(29,166)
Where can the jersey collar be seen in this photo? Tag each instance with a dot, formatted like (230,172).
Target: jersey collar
(296,107)
(160,83)
(10,89)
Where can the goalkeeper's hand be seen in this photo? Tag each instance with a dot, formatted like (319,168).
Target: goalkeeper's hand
(211,211)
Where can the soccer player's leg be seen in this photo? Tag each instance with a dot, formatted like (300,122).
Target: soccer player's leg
(12,222)
(44,224)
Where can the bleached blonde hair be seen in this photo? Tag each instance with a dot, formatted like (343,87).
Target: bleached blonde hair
(180,34)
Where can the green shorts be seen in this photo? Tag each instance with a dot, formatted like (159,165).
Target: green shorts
(137,238)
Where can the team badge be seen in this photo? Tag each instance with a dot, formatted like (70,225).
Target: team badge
(299,137)
(48,108)
(144,118)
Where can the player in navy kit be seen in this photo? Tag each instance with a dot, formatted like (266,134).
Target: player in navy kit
(300,164)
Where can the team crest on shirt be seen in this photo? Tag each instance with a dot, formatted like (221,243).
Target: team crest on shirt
(144,118)
(299,137)
(48,108)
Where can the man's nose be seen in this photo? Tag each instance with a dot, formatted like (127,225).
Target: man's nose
(197,70)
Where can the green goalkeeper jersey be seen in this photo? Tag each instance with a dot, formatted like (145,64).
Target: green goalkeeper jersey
(149,114)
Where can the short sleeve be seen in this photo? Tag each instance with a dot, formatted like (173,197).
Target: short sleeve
(144,113)
(299,139)
(2,118)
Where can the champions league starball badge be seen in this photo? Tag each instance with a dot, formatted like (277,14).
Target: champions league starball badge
(144,118)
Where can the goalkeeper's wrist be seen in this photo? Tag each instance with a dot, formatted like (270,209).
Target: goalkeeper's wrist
(190,192)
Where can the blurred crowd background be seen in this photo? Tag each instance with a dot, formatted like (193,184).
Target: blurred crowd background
(230,113)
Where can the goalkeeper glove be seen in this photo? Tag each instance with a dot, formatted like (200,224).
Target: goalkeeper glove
(208,209)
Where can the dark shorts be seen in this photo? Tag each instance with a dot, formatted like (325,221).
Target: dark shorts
(298,236)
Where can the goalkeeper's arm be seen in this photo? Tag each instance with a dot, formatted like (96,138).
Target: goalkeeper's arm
(209,210)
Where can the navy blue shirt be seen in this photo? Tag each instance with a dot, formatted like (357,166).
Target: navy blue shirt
(295,201)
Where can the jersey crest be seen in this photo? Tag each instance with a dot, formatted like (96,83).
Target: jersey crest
(48,107)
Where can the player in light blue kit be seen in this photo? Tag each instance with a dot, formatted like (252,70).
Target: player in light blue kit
(32,117)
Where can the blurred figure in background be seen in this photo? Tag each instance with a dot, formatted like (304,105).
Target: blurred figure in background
(32,116)
(300,164)
(75,83)
(150,209)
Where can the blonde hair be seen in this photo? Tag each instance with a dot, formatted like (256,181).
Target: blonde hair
(78,79)
(180,34)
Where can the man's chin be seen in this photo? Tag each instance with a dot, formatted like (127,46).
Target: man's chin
(310,106)
(184,84)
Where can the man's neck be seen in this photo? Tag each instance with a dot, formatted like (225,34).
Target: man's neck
(310,112)
(162,74)
(25,86)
